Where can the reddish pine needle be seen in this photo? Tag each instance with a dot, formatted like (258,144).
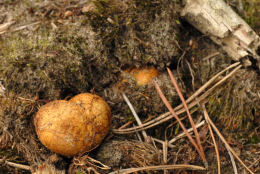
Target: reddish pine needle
(188,112)
(167,104)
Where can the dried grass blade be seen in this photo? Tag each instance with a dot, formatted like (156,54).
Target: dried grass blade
(214,142)
(224,141)
(167,104)
(135,115)
(203,87)
(161,167)
(232,162)
(183,134)
(188,112)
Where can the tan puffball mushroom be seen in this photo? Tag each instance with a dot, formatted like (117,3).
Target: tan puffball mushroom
(98,113)
(71,127)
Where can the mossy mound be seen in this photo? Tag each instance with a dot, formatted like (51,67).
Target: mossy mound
(236,105)
(46,55)
(144,98)
(252,13)
(88,51)
(17,129)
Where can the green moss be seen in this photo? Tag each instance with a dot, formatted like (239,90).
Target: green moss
(85,51)
(90,52)
(234,104)
(79,172)
(252,13)
(138,32)
(42,62)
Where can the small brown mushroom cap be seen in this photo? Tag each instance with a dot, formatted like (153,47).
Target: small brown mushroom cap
(71,127)
(143,76)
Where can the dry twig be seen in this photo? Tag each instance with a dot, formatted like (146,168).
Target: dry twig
(254,163)
(161,167)
(135,115)
(165,152)
(183,134)
(5,26)
(211,56)
(126,125)
(25,26)
(232,161)
(160,141)
(19,166)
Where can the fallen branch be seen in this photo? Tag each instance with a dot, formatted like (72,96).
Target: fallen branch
(217,20)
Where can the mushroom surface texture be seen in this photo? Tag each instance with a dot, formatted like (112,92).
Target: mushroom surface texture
(72,127)
(143,76)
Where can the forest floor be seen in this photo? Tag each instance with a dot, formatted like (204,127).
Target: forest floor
(55,50)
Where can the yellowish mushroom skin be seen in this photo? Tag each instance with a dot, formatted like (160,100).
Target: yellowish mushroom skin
(98,113)
(72,127)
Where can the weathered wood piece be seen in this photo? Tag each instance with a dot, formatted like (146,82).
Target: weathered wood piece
(226,28)
(2,89)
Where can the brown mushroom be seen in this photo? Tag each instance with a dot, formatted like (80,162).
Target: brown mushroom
(75,126)
(143,76)
(98,113)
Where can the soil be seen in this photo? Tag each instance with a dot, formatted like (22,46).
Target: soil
(55,50)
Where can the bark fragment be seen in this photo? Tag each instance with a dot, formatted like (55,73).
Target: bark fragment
(217,20)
